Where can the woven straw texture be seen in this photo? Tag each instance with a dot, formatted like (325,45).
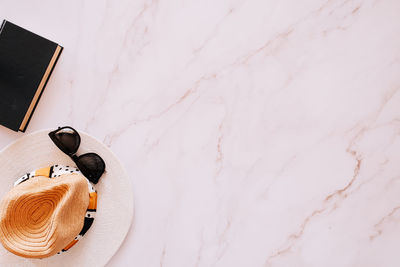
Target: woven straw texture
(41,216)
(115,201)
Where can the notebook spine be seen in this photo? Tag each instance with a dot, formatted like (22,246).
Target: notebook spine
(23,129)
(2,25)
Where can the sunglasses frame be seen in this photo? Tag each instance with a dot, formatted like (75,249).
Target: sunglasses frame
(74,157)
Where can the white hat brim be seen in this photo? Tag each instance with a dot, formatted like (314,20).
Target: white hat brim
(114,206)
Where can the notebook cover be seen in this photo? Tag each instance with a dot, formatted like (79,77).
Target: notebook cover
(26,63)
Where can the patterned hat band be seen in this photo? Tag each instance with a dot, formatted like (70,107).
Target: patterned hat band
(56,171)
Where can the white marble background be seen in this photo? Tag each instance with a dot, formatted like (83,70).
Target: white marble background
(256,133)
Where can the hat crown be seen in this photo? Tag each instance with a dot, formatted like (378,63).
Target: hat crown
(41,216)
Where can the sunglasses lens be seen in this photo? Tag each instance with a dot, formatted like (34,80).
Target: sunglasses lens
(67,140)
(92,166)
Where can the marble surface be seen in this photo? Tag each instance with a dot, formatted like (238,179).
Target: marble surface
(256,133)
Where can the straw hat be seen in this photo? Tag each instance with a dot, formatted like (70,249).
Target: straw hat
(41,216)
(65,198)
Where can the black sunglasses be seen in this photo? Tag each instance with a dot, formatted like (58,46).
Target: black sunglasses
(68,140)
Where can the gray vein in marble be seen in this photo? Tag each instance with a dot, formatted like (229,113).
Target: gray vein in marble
(189,92)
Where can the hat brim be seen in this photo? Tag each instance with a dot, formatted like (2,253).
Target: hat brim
(115,201)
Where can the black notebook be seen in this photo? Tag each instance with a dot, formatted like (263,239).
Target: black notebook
(26,62)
